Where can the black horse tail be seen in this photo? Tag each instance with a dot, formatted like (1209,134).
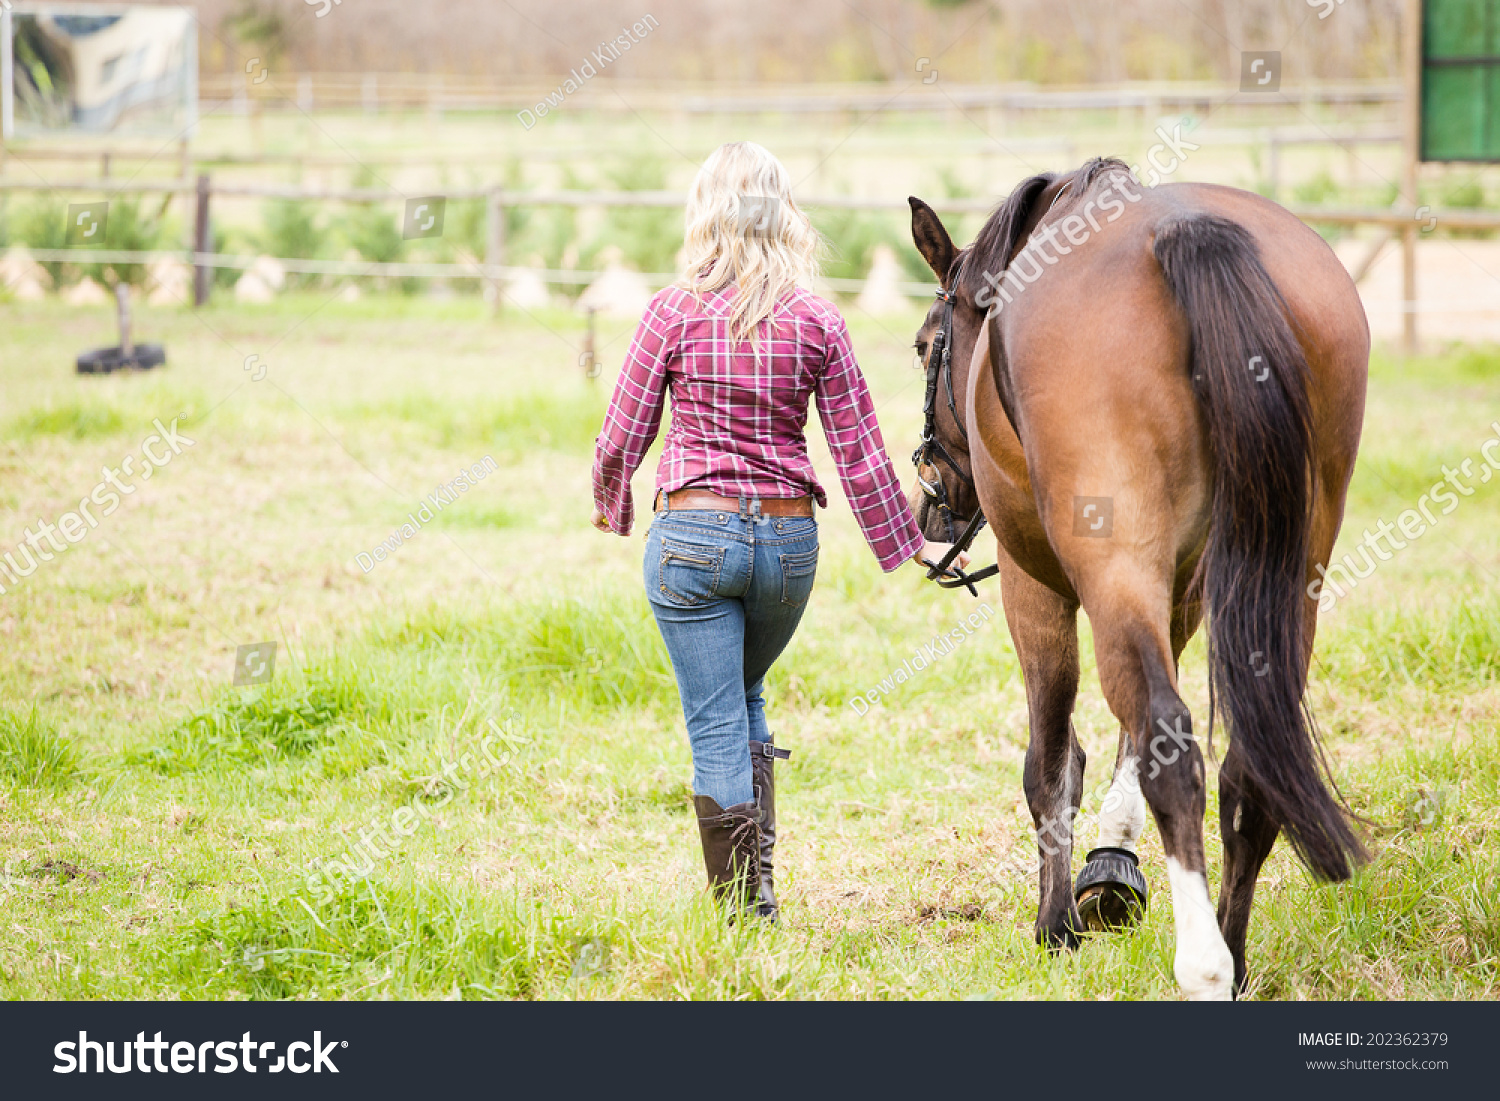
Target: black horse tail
(1251,379)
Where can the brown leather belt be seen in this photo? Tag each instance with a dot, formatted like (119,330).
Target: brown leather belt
(702,498)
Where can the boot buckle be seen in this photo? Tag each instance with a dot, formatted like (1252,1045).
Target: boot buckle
(767,749)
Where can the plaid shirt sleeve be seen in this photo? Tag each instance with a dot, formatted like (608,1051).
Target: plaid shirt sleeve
(865,471)
(634,415)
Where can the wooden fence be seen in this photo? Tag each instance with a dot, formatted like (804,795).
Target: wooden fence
(1393,221)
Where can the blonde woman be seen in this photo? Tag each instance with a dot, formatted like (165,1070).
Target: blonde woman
(742,346)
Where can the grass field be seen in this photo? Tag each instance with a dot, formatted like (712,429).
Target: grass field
(160,828)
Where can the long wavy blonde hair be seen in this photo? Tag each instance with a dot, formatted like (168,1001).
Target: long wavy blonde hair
(745,229)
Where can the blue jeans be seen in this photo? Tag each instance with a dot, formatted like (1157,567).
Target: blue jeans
(728,594)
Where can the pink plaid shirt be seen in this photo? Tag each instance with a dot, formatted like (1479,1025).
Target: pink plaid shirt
(737,428)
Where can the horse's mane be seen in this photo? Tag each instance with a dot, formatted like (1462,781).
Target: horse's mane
(1001,235)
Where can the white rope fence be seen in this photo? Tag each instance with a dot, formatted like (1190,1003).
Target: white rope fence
(402,269)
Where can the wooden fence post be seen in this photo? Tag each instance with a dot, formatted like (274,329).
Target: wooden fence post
(202,242)
(1411,154)
(494,251)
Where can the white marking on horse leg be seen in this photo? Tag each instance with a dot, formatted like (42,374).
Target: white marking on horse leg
(1067,804)
(1203,967)
(1123,816)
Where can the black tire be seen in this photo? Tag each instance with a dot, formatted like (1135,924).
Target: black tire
(101,361)
(149,355)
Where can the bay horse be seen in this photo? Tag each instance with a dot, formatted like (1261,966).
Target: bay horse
(1155,398)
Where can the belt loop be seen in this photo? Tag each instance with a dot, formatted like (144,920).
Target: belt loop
(755,508)
(744,509)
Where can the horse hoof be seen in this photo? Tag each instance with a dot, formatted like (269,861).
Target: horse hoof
(1111,891)
(1062,938)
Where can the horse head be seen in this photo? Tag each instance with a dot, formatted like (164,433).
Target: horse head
(944,498)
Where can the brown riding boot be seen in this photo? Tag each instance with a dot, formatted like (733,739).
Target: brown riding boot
(731,850)
(763,757)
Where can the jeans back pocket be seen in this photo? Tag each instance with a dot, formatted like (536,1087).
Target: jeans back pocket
(798,569)
(689,572)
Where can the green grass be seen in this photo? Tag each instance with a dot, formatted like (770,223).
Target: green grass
(31,753)
(165,834)
(252,729)
(103,408)
(1448,647)
(369,725)
(512,424)
(77,420)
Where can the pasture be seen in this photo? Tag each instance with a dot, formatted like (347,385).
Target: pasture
(159,826)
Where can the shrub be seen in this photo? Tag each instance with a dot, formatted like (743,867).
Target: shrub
(650,237)
(130,229)
(292,231)
(36,223)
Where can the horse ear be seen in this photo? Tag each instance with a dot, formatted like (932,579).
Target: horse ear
(931,238)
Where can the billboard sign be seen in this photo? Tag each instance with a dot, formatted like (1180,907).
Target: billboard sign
(71,70)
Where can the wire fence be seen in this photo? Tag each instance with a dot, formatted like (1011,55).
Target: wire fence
(403,269)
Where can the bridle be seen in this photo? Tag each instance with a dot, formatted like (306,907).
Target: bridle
(940,365)
(930,449)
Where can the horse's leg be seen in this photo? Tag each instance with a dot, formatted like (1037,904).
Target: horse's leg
(1044,628)
(1130,612)
(1111,890)
(1249,834)
(1122,815)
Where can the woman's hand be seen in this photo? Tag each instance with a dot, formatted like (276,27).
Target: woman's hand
(933,553)
(599,521)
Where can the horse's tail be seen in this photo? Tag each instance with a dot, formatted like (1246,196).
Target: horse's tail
(1251,378)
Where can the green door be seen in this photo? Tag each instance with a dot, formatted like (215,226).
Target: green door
(1461,80)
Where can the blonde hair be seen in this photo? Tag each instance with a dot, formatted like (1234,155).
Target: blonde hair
(744,228)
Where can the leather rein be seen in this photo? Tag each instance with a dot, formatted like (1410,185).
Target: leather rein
(940,366)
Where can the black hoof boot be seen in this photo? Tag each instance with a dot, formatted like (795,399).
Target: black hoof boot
(1111,891)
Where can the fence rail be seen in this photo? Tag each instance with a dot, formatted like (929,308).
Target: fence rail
(373,92)
(109,158)
(55,150)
